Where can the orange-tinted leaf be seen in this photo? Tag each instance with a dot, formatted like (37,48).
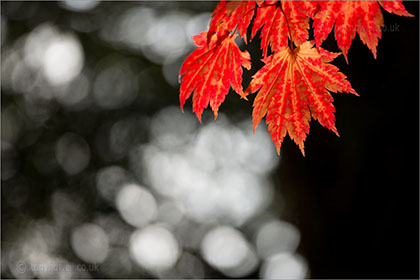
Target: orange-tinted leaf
(230,14)
(395,7)
(363,17)
(293,86)
(276,19)
(210,71)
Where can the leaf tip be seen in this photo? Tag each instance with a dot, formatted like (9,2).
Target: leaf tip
(199,118)
(302,148)
(254,126)
(345,57)
(215,115)
(354,92)
(334,129)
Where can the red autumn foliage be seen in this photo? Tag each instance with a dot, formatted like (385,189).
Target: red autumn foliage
(295,83)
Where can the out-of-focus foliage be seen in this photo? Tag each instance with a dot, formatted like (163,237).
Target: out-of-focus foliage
(103,176)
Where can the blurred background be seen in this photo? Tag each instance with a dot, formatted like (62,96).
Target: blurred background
(102,176)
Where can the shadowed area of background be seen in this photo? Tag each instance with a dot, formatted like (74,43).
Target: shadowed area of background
(104,177)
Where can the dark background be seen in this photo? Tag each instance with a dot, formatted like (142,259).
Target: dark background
(354,198)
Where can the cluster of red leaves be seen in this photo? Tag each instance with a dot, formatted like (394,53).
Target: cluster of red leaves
(295,83)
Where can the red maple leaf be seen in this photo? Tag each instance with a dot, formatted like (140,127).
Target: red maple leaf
(281,21)
(210,70)
(363,17)
(293,86)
